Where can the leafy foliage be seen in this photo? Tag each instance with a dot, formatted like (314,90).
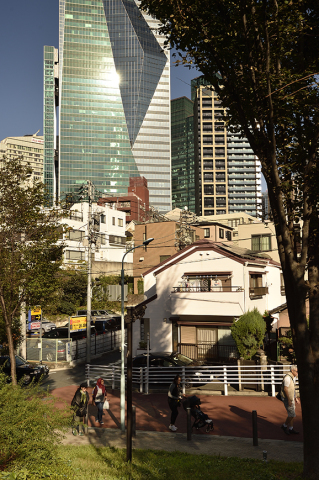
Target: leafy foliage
(30,251)
(71,293)
(31,427)
(248,333)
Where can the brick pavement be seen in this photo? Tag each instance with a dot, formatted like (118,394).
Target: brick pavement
(231,415)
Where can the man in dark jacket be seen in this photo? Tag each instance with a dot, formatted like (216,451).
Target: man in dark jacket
(80,403)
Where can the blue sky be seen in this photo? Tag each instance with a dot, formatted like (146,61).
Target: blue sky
(26,26)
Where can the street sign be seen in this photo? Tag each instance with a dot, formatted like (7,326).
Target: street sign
(77,324)
(34,318)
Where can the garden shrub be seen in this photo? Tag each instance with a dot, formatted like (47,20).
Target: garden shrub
(31,426)
(248,333)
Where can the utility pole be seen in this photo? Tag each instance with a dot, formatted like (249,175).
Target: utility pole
(87,190)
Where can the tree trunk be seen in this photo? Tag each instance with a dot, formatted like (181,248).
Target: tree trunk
(10,341)
(308,367)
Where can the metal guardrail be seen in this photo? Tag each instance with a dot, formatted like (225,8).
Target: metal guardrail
(66,349)
(237,376)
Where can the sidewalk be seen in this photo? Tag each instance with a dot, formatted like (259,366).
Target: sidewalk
(231,437)
(200,444)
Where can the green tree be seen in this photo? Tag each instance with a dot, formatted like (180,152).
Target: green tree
(248,333)
(262,59)
(30,250)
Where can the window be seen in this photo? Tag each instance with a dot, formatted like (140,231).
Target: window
(260,243)
(116,240)
(75,235)
(74,255)
(221,233)
(206,232)
(113,220)
(228,235)
(209,189)
(102,238)
(256,289)
(120,222)
(102,218)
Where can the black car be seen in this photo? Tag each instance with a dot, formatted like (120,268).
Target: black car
(24,370)
(63,332)
(162,359)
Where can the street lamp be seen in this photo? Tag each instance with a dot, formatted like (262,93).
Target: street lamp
(122,399)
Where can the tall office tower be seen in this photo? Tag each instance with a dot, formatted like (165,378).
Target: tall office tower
(50,104)
(182,134)
(30,148)
(228,174)
(114,105)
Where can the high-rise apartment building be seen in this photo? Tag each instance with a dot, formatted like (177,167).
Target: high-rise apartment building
(227,173)
(29,148)
(182,134)
(114,105)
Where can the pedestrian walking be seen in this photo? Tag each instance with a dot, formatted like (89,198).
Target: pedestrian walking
(99,395)
(288,395)
(80,403)
(174,401)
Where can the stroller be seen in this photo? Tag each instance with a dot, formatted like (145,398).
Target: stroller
(201,419)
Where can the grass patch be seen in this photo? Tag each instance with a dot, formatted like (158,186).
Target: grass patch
(98,463)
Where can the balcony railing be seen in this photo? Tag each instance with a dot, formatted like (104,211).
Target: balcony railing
(223,288)
(256,292)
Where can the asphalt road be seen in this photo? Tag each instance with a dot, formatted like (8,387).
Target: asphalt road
(64,377)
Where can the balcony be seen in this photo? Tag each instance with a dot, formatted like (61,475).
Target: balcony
(258,292)
(219,301)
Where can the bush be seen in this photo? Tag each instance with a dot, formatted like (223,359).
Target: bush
(31,427)
(248,333)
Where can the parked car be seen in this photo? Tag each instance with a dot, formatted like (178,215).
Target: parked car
(63,332)
(162,359)
(47,326)
(24,370)
(99,314)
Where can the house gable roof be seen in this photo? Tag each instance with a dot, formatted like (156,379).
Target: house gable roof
(240,255)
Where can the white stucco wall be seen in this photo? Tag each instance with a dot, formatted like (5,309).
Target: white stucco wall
(213,305)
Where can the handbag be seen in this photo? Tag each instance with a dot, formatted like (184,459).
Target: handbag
(106,405)
(278,396)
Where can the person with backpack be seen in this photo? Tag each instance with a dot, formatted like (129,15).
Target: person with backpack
(99,395)
(288,396)
(80,403)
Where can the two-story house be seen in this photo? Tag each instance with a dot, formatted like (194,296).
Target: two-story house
(195,296)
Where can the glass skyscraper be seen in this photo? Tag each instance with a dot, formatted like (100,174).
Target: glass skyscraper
(114,105)
(183,174)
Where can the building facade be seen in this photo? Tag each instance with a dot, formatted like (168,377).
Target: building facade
(135,204)
(227,173)
(29,148)
(183,173)
(114,105)
(196,295)
(110,246)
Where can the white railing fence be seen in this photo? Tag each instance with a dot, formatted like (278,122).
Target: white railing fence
(258,377)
